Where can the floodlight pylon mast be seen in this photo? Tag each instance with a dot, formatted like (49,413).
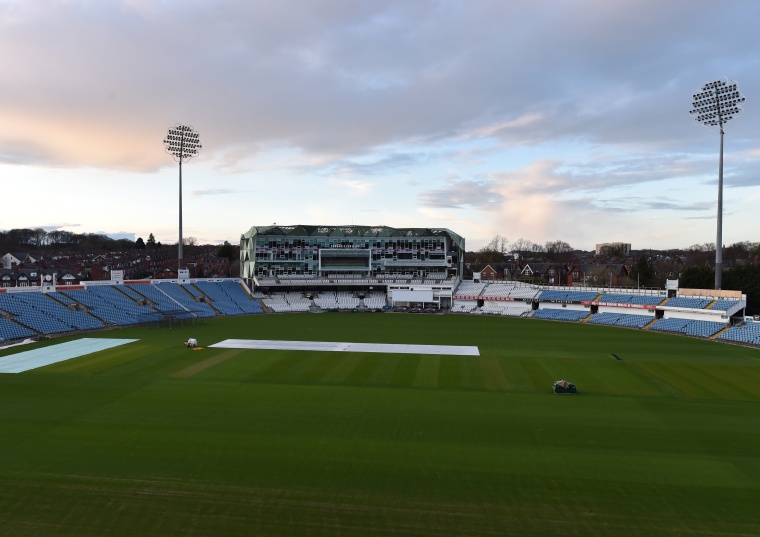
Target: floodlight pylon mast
(179,250)
(182,143)
(715,105)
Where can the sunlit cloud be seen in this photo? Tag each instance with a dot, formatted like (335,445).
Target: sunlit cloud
(575,120)
(212,192)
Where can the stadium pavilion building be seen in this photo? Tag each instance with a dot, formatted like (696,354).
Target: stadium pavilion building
(344,255)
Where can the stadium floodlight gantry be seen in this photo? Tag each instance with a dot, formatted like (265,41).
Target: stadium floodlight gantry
(346,252)
(715,105)
(182,143)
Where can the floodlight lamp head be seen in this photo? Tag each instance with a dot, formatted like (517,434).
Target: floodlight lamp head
(182,142)
(716,104)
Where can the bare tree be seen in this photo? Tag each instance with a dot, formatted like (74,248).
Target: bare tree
(612,251)
(40,237)
(523,245)
(491,253)
(498,244)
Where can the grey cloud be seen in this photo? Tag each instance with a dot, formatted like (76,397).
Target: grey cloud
(461,194)
(212,192)
(371,164)
(634,204)
(341,78)
(116,235)
(742,174)
(55,227)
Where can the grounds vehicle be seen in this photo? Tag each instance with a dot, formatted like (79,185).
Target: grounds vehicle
(564,387)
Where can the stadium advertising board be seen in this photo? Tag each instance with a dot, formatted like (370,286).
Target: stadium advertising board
(619,305)
(477,297)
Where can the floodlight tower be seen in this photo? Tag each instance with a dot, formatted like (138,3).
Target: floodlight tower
(183,144)
(714,106)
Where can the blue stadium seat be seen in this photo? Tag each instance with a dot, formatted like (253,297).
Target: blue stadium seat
(748,333)
(560,314)
(684,302)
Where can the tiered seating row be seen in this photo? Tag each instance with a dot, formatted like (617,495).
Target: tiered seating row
(348,279)
(497,290)
(749,333)
(724,305)
(79,320)
(10,330)
(620,319)
(510,309)
(181,296)
(703,328)
(228,300)
(648,300)
(111,306)
(683,302)
(27,314)
(44,315)
(524,293)
(161,301)
(340,300)
(375,300)
(327,300)
(560,314)
(567,296)
(287,302)
(237,294)
(506,289)
(688,327)
(470,288)
(464,306)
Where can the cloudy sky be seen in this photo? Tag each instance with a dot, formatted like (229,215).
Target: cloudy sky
(536,119)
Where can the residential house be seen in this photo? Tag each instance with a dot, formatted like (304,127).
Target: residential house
(550,273)
(10,259)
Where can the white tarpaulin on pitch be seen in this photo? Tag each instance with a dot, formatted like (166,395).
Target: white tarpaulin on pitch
(336,346)
(52,354)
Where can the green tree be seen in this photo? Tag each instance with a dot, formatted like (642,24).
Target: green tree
(642,273)
(140,243)
(190,245)
(745,278)
(151,243)
(697,277)
(740,251)
(227,250)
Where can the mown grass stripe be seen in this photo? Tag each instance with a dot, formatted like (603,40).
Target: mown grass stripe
(406,371)
(449,372)
(493,374)
(386,370)
(92,364)
(364,369)
(427,372)
(198,367)
(471,374)
(343,366)
(280,368)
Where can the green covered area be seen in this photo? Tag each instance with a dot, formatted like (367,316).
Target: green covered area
(152,438)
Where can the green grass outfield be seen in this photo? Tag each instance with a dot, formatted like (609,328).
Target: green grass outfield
(153,439)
